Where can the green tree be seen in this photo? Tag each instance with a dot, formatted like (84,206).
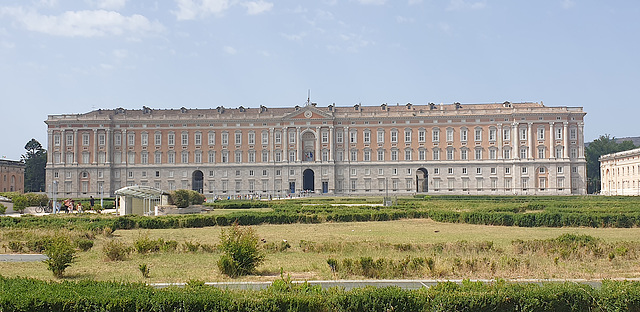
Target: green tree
(60,255)
(601,146)
(35,161)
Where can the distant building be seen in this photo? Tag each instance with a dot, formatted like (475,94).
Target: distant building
(620,173)
(11,176)
(501,148)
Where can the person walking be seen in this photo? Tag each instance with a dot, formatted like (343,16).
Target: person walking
(92,202)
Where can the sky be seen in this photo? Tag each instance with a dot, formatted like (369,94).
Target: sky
(75,56)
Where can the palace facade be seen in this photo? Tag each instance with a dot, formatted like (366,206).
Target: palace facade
(620,173)
(11,176)
(501,148)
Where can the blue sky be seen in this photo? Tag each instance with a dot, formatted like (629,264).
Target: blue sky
(59,57)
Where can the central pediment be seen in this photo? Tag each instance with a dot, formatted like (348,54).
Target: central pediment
(308,112)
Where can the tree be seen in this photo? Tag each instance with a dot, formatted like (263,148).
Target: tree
(241,249)
(601,146)
(60,255)
(35,161)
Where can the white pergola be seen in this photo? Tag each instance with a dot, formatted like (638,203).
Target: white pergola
(139,199)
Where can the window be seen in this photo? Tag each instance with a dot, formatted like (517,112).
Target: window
(540,134)
(478,154)
(292,156)
(394,136)
(101,139)
(436,170)
(449,170)
(366,136)
(435,135)
(493,170)
(367,155)
(560,169)
(184,138)
(523,152)
(102,157)
(277,137)
(56,140)
(265,156)
(558,133)
(325,137)
(353,136)
(523,133)
(171,158)
(478,134)
(224,157)
(422,155)
(197,157)
(560,184)
(339,137)
(225,138)
(492,134)
(464,154)
(449,153)
(380,155)
(238,157)
(69,158)
(574,152)
(464,134)
(144,139)
(354,155)
(478,170)
(407,136)
(211,157)
(251,138)
(238,138)
(380,136)
(525,183)
(184,157)
(506,134)
(197,139)
(85,139)
(380,171)
(211,138)
(325,155)
(265,137)
(292,137)
(422,134)
(464,170)
(144,158)
(131,139)
(449,135)
(492,153)
(524,170)
(251,156)
(131,158)
(394,155)
(436,154)
(354,171)
(171,139)
(573,134)
(407,155)
(85,158)
(507,170)
(506,153)
(278,156)
(507,184)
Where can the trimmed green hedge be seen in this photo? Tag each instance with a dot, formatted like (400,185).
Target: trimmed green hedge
(18,294)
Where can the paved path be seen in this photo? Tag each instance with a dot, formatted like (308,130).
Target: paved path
(22,257)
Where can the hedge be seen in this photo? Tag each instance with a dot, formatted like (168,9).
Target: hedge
(20,294)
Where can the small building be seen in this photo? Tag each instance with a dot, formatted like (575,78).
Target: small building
(140,200)
(11,176)
(620,173)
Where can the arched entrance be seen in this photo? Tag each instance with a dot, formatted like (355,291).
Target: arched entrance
(422,180)
(307,180)
(196,181)
(308,146)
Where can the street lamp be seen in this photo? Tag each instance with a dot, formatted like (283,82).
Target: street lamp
(101,197)
(55,196)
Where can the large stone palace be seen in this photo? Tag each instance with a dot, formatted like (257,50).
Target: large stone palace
(620,173)
(501,148)
(11,176)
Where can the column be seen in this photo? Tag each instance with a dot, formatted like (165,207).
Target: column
(285,144)
(565,134)
(580,140)
(318,144)
(298,144)
(345,139)
(271,144)
(552,137)
(530,139)
(515,145)
(331,143)
(125,148)
(500,145)
(95,146)
(49,146)
(108,142)
(63,147)
(76,146)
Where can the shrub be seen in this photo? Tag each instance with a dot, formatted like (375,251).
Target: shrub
(84,244)
(61,254)
(191,247)
(144,245)
(196,198)
(180,198)
(241,251)
(116,250)
(20,203)
(144,269)
(3,209)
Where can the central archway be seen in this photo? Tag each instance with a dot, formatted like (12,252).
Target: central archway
(196,181)
(308,177)
(422,178)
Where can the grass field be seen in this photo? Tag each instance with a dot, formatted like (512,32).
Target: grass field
(455,250)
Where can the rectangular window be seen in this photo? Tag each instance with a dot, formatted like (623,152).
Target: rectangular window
(198,157)
(85,158)
(506,134)
(560,169)
(436,154)
(354,155)
(101,139)
(265,138)
(478,154)
(380,136)
(325,137)
(252,156)
(492,134)
(435,135)
(212,157)
(540,134)
(507,170)
(185,157)
(265,156)
(117,139)
(278,137)
(292,156)
(422,155)
(523,134)
(506,153)
(131,139)
(450,154)
(278,156)
(541,153)
(463,154)
(131,158)
(224,157)
(492,153)
(185,138)
(157,158)
(380,155)
(422,134)
(157,139)
(558,133)
(366,156)
(464,133)
(171,139)
(225,138)
(238,157)
(478,170)
(238,138)
(353,136)
(366,137)
(523,152)
(339,137)
(171,158)
(407,136)
(212,138)
(449,135)
(394,155)
(573,134)
(292,137)
(464,170)
(478,134)
(56,140)
(144,139)
(394,136)
(197,139)
(507,184)
(251,139)
(85,140)
(407,155)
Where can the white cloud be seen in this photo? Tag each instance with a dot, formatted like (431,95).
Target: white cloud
(192,9)
(111,4)
(91,23)
(372,2)
(257,7)
(455,5)
(229,50)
